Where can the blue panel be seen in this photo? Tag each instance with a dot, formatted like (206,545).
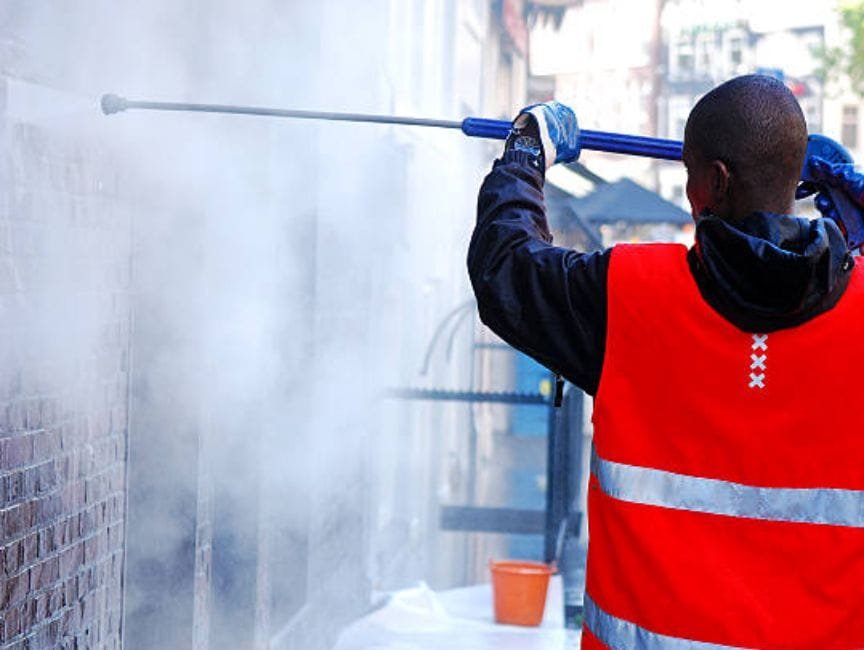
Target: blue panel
(525,547)
(525,490)
(528,421)
(531,377)
(526,493)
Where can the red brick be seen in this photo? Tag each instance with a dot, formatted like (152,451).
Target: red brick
(17,450)
(48,509)
(64,468)
(117,565)
(69,621)
(91,549)
(87,461)
(46,445)
(17,519)
(61,533)
(93,490)
(78,529)
(55,600)
(73,495)
(15,486)
(12,619)
(14,558)
(47,476)
(117,505)
(86,580)
(46,538)
(47,635)
(88,522)
(31,548)
(71,559)
(28,614)
(46,573)
(14,589)
(88,608)
(40,606)
(115,536)
(30,477)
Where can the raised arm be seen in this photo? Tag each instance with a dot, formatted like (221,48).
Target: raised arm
(546,301)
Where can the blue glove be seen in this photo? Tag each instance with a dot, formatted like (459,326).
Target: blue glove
(839,193)
(559,130)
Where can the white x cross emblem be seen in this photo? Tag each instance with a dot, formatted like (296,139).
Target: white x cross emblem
(757,381)
(760,342)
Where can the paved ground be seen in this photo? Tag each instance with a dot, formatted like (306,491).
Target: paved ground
(457,619)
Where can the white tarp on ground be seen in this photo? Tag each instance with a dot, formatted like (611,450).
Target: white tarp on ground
(457,619)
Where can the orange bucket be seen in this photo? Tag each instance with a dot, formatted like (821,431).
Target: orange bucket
(519,590)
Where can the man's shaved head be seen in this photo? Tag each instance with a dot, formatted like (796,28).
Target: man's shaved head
(754,126)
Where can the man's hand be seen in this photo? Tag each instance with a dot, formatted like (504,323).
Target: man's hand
(551,127)
(839,196)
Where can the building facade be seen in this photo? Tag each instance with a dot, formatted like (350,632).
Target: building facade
(707,43)
(844,109)
(645,80)
(205,315)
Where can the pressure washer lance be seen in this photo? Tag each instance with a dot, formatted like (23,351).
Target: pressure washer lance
(476,127)
(479,127)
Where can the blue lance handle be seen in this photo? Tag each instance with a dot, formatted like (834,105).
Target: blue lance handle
(634,145)
(637,145)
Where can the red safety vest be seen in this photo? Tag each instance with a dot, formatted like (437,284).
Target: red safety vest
(726,500)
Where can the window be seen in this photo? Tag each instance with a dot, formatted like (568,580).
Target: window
(685,57)
(505,78)
(849,127)
(736,55)
(705,46)
(680,125)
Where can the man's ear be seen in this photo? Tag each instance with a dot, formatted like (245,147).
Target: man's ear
(720,179)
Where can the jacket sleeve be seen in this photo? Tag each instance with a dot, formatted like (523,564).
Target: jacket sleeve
(546,301)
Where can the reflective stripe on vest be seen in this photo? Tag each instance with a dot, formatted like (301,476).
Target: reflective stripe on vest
(656,487)
(618,633)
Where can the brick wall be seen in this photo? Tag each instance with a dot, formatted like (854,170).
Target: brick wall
(218,469)
(64,330)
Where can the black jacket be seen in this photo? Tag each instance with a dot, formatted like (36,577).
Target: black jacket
(765,273)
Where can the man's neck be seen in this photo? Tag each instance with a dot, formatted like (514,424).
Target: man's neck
(742,209)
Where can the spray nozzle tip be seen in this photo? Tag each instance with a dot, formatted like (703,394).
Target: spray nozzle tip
(113,104)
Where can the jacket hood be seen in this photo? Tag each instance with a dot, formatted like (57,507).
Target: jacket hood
(770,271)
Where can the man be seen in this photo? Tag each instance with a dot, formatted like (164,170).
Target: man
(726,499)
